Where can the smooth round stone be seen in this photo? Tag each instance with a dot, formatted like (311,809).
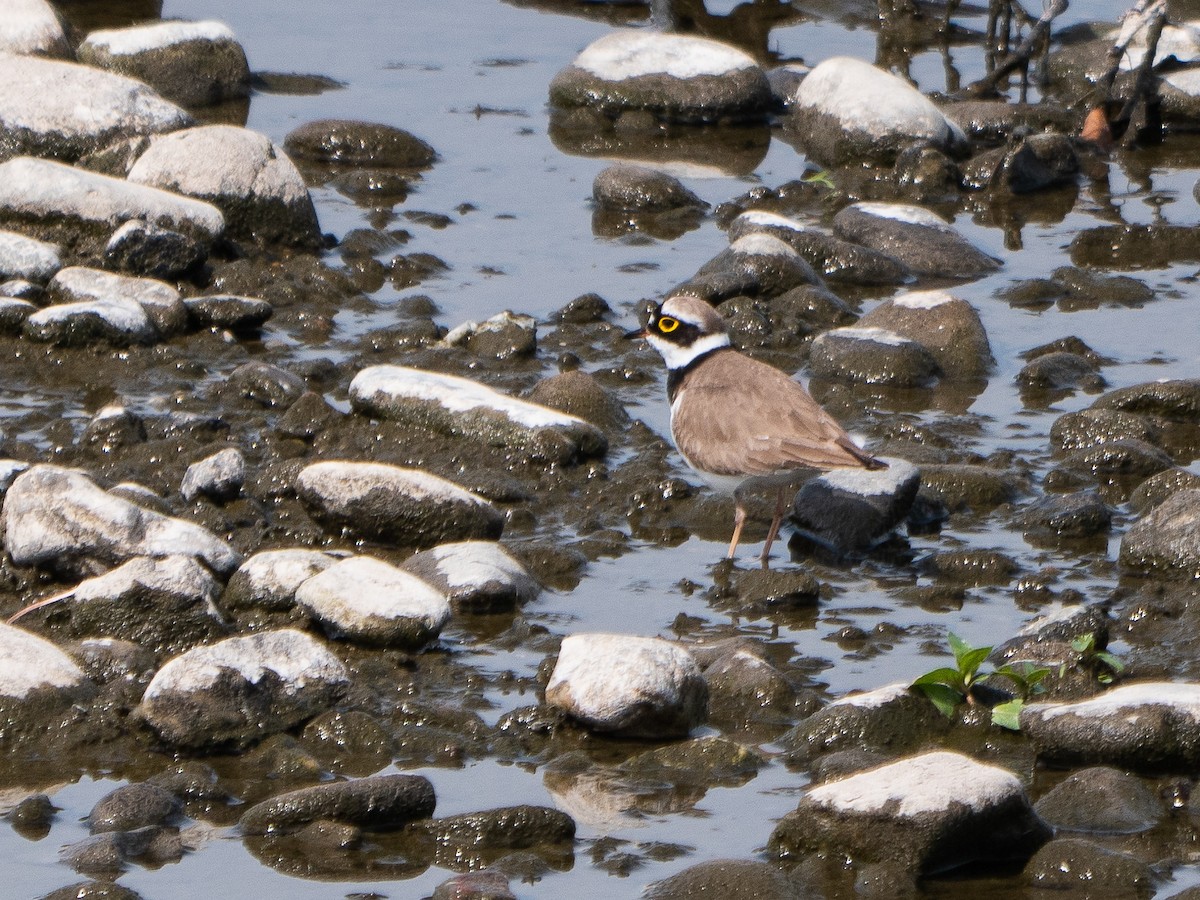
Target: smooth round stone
(476,576)
(365,599)
(945,325)
(380,802)
(219,476)
(27,258)
(32,28)
(160,302)
(132,806)
(872,356)
(674,77)
(269,579)
(635,686)
(353,143)
(918,238)
(638,188)
(1101,800)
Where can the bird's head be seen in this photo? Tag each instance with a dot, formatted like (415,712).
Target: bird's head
(682,328)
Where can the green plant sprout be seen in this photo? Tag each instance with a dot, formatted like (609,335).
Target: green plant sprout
(947,687)
(1105,664)
(820,177)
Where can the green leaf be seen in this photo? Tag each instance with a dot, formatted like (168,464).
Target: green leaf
(1006,715)
(970,661)
(945,676)
(1110,660)
(958,646)
(946,699)
(1084,644)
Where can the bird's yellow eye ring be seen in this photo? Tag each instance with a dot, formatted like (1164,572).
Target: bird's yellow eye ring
(666,324)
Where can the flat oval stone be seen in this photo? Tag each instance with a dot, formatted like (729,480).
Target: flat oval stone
(27,258)
(380,802)
(920,239)
(476,576)
(872,356)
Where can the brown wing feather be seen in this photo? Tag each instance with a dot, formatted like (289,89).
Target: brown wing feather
(735,416)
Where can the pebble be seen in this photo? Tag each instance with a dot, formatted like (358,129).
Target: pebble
(193,64)
(241,315)
(931,812)
(1069,516)
(27,259)
(132,806)
(675,77)
(255,185)
(219,477)
(352,143)
(847,110)
(475,576)
(757,265)
(382,502)
(1068,865)
(638,188)
(633,686)
(241,690)
(62,110)
(82,209)
(266,384)
(1101,800)
(945,325)
(268,580)
(368,600)
(471,411)
(920,239)
(964,487)
(379,802)
(59,518)
(32,28)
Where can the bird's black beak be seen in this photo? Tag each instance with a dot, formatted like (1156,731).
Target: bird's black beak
(636,334)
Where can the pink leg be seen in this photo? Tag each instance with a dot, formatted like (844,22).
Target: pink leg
(739,519)
(774,530)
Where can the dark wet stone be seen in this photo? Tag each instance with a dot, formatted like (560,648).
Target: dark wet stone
(765,590)
(872,356)
(852,510)
(295,83)
(892,719)
(192,782)
(583,310)
(730,879)
(1028,164)
(920,239)
(33,816)
(241,690)
(381,802)
(1157,488)
(1177,400)
(836,126)
(708,760)
(835,259)
(1125,457)
(190,63)
(1166,541)
(486,884)
(109,851)
(945,325)
(757,265)
(1147,726)
(579,394)
(1077,515)
(93,890)
(927,813)
(995,120)
(396,505)
(1101,801)
(506,335)
(1060,372)
(628,685)
(265,384)
(1090,290)
(141,248)
(1135,246)
(1095,427)
(132,806)
(476,576)
(114,427)
(744,688)
(508,827)
(972,567)
(638,188)
(353,739)
(238,314)
(627,71)
(269,579)
(841,763)
(1074,865)
(409,270)
(348,142)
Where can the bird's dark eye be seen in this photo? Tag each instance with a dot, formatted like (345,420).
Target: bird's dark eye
(666,324)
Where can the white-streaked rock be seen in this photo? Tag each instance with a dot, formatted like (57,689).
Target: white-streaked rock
(242,689)
(32,28)
(476,576)
(83,208)
(9,470)
(29,663)
(872,356)
(160,301)
(114,320)
(27,258)
(945,325)
(917,237)
(64,110)
(269,579)
(389,503)
(636,686)
(929,812)
(61,519)
(260,191)
(366,599)
(219,476)
(847,109)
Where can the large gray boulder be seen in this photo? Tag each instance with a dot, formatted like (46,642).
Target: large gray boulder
(33,28)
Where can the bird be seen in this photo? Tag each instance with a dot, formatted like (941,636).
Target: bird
(734,419)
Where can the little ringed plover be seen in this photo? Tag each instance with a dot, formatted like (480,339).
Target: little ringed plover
(735,419)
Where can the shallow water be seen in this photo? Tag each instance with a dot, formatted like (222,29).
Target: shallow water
(471,78)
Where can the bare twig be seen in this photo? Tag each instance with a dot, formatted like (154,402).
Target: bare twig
(1019,58)
(45,601)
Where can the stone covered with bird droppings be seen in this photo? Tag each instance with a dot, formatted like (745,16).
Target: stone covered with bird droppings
(382,502)
(161,302)
(64,110)
(32,28)
(757,265)
(467,409)
(476,576)
(255,185)
(1166,541)
(219,477)
(872,356)
(368,600)
(242,689)
(39,684)
(1147,726)
(193,64)
(847,110)
(674,77)
(945,325)
(852,510)
(80,210)
(59,518)
(926,813)
(922,240)
(378,802)
(268,580)
(27,258)
(633,686)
